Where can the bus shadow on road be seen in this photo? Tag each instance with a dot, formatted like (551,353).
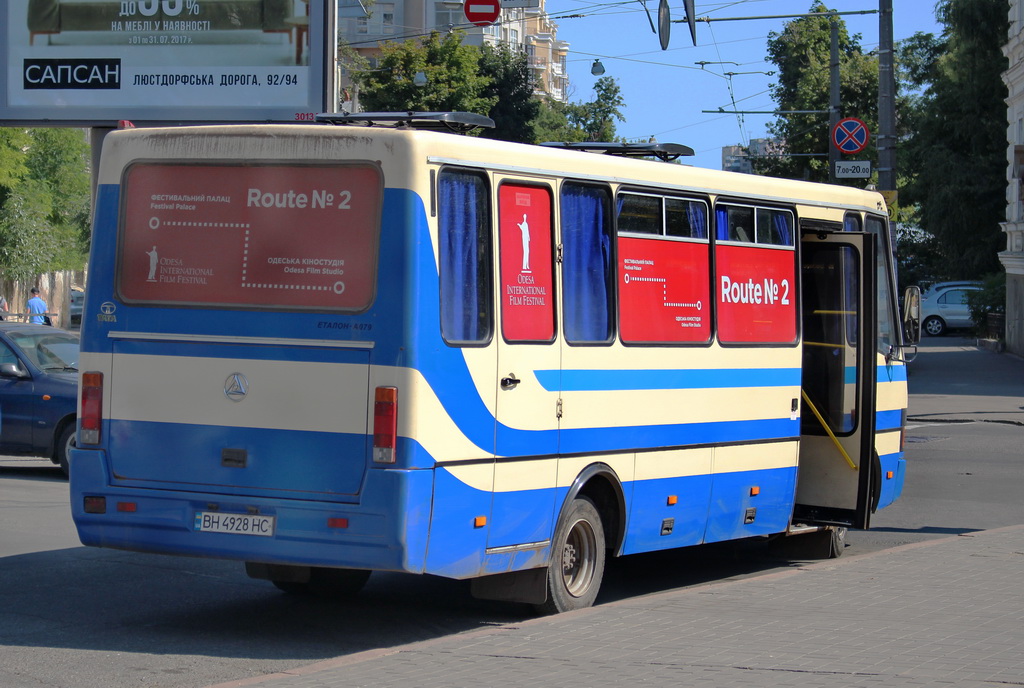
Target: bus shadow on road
(105,600)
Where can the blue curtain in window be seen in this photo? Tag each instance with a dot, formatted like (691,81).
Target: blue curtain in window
(851,224)
(722,224)
(782,228)
(586,264)
(698,220)
(459,201)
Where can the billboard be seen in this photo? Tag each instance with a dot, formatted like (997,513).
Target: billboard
(663,291)
(94,62)
(207,235)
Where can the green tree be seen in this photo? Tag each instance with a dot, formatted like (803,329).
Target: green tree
(13,143)
(452,71)
(45,194)
(590,121)
(552,123)
(511,85)
(802,55)
(957,149)
(597,118)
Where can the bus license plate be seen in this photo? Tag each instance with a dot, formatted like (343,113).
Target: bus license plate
(238,524)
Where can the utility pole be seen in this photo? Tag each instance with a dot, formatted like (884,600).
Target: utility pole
(886,100)
(833,105)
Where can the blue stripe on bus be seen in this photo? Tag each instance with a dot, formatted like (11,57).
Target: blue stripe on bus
(516,442)
(588,440)
(891,373)
(888,420)
(626,380)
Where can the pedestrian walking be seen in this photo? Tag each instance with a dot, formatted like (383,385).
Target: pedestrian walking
(35,308)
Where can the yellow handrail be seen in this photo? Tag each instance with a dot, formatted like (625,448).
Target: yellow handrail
(835,440)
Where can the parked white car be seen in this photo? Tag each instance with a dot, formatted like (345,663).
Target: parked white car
(944,307)
(76,299)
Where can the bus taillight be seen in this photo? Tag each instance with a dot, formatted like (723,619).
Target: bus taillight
(385,424)
(92,408)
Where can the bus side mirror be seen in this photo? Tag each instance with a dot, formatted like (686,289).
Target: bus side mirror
(912,315)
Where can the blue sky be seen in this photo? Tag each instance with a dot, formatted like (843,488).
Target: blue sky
(665,91)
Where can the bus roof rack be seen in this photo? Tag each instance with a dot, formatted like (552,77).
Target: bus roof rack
(460,122)
(662,151)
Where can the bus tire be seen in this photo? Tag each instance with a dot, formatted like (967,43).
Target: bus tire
(837,541)
(577,559)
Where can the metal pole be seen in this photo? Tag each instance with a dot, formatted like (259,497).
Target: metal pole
(886,100)
(833,115)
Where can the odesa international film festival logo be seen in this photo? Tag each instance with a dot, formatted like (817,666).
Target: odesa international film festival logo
(72,73)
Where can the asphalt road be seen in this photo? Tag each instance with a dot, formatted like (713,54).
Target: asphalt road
(83,617)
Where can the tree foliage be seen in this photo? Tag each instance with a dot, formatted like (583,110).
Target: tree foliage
(552,124)
(493,81)
(590,121)
(44,201)
(957,151)
(802,55)
(452,70)
(511,85)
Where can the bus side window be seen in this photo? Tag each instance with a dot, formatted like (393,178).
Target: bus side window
(886,336)
(588,266)
(735,223)
(639,214)
(464,240)
(755,280)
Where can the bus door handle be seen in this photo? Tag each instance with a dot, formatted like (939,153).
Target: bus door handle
(510,381)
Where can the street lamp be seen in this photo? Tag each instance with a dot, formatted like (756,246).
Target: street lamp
(420,79)
(597,69)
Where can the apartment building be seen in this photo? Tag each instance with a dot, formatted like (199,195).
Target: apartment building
(1013,257)
(523,25)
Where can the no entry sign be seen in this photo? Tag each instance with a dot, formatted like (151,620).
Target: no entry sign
(850,135)
(482,12)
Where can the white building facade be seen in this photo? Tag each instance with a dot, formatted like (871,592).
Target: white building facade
(1013,257)
(522,25)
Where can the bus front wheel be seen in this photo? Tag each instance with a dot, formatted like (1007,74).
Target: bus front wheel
(577,560)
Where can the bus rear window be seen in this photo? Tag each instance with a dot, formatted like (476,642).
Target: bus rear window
(292,237)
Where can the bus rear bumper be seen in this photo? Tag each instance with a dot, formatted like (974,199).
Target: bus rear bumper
(383,531)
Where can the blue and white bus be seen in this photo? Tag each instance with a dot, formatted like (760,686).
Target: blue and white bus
(325,350)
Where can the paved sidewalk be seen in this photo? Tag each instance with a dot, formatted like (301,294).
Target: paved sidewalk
(947,611)
(939,612)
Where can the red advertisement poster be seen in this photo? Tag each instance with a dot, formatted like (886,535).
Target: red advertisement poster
(756,293)
(663,291)
(527,298)
(302,237)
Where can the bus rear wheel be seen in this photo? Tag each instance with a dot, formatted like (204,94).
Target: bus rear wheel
(577,560)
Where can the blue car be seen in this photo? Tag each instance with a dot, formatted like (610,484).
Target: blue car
(38,391)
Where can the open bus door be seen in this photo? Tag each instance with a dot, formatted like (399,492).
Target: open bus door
(838,480)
